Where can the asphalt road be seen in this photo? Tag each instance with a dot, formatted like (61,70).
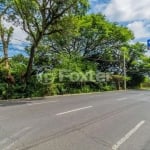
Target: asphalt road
(100,121)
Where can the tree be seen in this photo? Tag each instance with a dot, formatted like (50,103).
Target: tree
(95,38)
(104,42)
(5,35)
(5,39)
(136,63)
(40,18)
(86,35)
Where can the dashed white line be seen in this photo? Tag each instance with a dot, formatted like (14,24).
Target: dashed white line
(122,99)
(127,136)
(77,109)
(30,104)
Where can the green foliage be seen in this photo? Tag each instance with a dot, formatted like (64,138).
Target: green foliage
(68,47)
(108,88)
(136,80)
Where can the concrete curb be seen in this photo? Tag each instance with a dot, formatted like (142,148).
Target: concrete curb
(54,96)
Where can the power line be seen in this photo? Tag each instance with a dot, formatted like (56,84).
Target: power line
(20,40)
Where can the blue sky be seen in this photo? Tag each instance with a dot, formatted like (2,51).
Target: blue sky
(131,13)
(15,48)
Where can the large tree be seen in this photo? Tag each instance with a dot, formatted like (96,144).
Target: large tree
(95,38)
(86,35)
(40,18)
(137,65)
(5,34)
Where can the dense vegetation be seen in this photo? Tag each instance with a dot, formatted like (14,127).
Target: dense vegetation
(70,50)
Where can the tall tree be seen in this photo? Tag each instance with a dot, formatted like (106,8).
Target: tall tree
(136,63)
(90,32)
(95,38)
(40,18)
(5,35)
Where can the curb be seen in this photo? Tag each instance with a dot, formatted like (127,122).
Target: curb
(54,96)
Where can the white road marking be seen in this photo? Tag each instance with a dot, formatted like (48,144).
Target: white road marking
(14,137)
(41,103)
(127,136)
(77,109)
(122,99)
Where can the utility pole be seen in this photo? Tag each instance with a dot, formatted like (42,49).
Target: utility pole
(124,70)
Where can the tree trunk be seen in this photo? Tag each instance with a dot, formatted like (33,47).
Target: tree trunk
(5,48)
(32,54)
(30,63)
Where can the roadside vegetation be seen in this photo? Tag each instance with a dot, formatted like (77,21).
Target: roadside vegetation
(69,50)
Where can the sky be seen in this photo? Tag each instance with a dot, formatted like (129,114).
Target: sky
(131,13)
(18,41)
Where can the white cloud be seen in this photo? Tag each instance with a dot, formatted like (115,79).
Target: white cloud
(128,10)
(18,36)
(139,29)
(134,14)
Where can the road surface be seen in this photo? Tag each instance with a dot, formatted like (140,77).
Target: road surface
(98,121)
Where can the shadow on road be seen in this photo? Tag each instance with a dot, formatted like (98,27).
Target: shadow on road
(12,103)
